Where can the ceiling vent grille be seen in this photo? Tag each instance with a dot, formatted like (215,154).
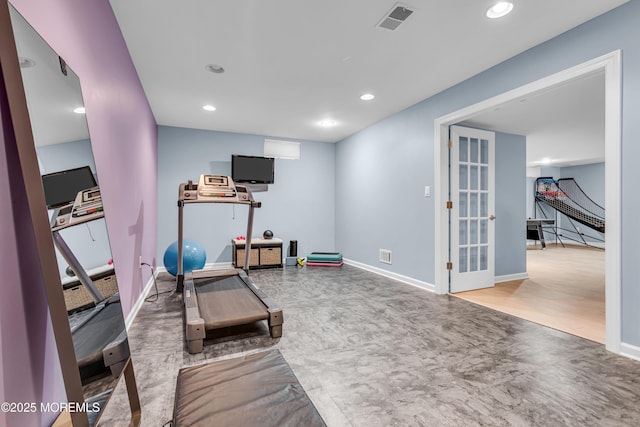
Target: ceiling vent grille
(395,17)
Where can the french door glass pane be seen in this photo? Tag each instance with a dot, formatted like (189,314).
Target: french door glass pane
(473,177)
(483,258)
(473,205)
(464,208)
(484,177)
(463,260)
(464,176)
(484,205)
(463,232)
(473,231)
(484,151)
(464,149)
(473,148)
(484,231)
(473,258)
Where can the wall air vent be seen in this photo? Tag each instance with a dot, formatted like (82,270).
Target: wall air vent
(395,17)
(384,256)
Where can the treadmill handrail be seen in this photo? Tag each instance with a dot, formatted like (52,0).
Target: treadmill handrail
(242,196)
(268,302)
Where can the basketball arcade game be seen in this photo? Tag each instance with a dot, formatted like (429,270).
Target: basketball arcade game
(566,197)
(220,298)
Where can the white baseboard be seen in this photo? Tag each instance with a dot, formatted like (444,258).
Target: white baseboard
(573,243)
(138,305)
(219,266)
(398,277)
(510,277)
(567,243)
(630,351)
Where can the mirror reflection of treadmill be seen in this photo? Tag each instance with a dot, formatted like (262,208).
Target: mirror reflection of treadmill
(99,333)
(216,299)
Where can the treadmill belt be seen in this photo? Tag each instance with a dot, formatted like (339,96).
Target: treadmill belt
(228,302)
(254,390)
(91,338)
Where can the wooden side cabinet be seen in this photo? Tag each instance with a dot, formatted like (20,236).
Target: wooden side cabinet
(265,253)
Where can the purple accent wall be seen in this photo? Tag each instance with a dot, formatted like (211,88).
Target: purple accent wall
(124,136)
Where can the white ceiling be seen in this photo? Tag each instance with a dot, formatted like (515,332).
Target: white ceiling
(291,63)
(564,125)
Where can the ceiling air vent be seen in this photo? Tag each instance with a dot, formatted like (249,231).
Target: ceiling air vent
(395,17)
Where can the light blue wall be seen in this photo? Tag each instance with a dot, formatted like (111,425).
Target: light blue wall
(59,157)
(89,242)
(510,213)
(383,200)
(382,170)
(381,173)
(298,206)
(590,178)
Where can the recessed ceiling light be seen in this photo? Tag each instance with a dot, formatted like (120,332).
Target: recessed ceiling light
(209,107)
(367,96)
(214,68)
(327,123)
(79,110)
(499,9)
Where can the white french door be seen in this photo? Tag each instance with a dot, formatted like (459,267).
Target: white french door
(472,219)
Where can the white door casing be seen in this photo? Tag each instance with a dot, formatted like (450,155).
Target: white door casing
(611,64)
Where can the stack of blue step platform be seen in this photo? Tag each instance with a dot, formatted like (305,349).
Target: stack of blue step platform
(324,259)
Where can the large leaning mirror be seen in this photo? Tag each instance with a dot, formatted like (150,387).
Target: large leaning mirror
(72,197)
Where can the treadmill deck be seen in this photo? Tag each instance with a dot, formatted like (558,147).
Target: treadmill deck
(220,299)
(228,302)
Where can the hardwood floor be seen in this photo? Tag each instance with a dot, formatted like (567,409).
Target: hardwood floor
(565,291)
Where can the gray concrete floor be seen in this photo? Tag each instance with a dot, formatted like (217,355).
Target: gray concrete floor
(371,351)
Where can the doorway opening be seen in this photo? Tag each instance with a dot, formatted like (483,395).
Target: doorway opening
(609,65)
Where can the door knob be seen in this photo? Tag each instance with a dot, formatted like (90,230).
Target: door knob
(492,217)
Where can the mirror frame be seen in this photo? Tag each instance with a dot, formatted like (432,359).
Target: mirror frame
(25,146)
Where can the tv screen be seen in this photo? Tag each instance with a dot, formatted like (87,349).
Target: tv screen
(61,188)
(252,169)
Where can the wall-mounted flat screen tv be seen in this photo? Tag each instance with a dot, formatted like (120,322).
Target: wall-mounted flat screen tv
(252,169)
(61,188)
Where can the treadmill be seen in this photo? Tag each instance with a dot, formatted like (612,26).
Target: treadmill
(216,299)
(99,333)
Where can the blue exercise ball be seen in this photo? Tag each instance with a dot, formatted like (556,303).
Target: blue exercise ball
(193,257)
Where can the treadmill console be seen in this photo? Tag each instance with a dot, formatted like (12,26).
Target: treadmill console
(87,206)
(87,202)
(214,189)
(216,186)
(189,191)
(243,193)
